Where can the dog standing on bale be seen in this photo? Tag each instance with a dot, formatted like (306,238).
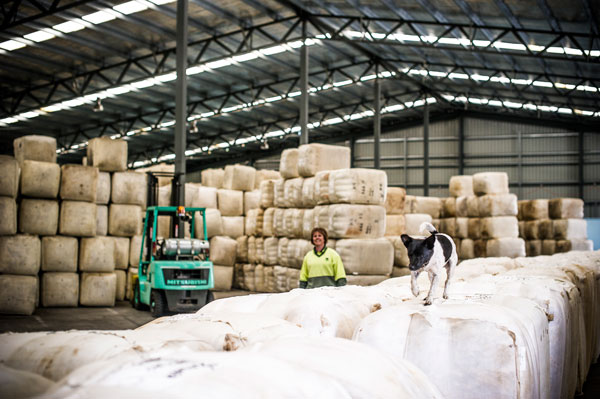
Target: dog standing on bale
(430,254)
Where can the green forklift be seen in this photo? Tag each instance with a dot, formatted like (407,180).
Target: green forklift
(175,274)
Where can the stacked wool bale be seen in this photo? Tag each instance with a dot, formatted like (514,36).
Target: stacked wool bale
(465,226)
(395,226)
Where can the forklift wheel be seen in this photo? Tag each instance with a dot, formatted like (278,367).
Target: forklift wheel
(210,297)
(158,303)
(137,304)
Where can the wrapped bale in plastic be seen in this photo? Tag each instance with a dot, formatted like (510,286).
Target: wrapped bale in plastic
(498,205)
(129,188)
(8,215)
(35,148)
(38,216)
(429,205)
(321,190)
(395,225)
(231,202)
(461,186)
(242,249)
(20,254)
(575,244)
(97,289)
(511,247)
(251,200)
(499,226)
(97,254)
(413,223)
(206,197)
(135,247)
(313,158)
(239,177)
(121,245)
(124,220)
(449,207)
(101,220)
(357,186)
(567,229)
(233,226)
(308,192)
(565,208)
(59,289)
(103,188)
(263,175)
(212,177)
(288,163)
(366,256)
(223,250)
(278,194)
(78,183)
(292,192)
(121,284)
(534,209)
(394,201)
(214,224)
(107,154)
(19,294)
(267,229)
(356,221)
(40,179)
(59,254)
(223,277)
(267,195)
(9,176)
(490,183)
(254,222)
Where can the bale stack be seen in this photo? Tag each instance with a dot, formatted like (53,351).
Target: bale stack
(395,226)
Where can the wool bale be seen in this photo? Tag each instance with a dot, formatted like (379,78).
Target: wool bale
(414,221)
(356,221)
(461,207)
(260,249)
(531,230)
(467,249)
(490,183)
(546,229)
(395,225)
(498,205)
(124,220)
(35,148)
(533,247)
(263,175)
(271,248)
(400,252)
(163,226)
(480,248)
(395,200)
(223,250)
(449,207)
(241,252)
(267,229)
(212,177)
(462,227)
(534,209)
(313,158)
(214,224)
(474,228)
(107,154)
(78,183)
(8,215)
(400,271)
(239,177)
(292,192)
(293,221)
(223,277)
(18,294)
(59,289)
(288,163)
(461,186)
(97,254)
(191,197)
(521,228)
(40,179)
(103,188)
(293,278)
(364,280)
(121,245)
(206,197)
(358,186)
(321,193)
(520,205)
(278,194)
(129,188)
(260,279)
(164,196)
(308,192)
(568,229)
(233,226)
(121,285)
(299,250)
(267,194)
(279,222)
(308,220)
(565,208)
(429,205)
(254,222)
(231,202)
(101,220)
(500,226)
(37,216)
(252,249)
(473,206)
(548,247)
(135,246)
(97,289)
(321,217)
(251,200)
(20,254)
(59,254)
(511,247)
(282,251)
(162,180)
(248,277)
(366,256)
(576,244)
(9,176)
(448,226)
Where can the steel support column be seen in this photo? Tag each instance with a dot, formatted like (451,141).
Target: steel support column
(426,150)
(181,102)
(377,122)
(304,88)
(581,165)
(461,145)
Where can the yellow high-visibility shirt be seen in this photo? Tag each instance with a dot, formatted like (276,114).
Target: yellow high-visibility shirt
(322,269)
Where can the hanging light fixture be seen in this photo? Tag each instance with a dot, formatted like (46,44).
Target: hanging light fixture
(98,107)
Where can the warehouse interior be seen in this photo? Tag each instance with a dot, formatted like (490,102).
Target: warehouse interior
(414,94)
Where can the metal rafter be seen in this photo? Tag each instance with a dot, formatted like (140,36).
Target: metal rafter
(9,11)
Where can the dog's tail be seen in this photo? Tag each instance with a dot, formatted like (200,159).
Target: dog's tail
(426,226)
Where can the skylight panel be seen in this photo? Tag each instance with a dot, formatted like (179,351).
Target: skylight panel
(98,17)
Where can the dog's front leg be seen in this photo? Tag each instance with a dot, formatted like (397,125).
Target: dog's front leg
(433,279)
(413,282)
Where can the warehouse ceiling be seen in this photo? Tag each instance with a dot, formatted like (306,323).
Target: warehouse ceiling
(81,69)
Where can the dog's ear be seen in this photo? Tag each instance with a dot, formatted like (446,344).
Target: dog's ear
(430,241)
(406,239)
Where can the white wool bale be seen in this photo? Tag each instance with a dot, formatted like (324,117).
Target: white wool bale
(294,219)
(321,217)
(107,154)
(37,216)
(59,254)
(293,278)
(567,229)
(59,289)
(448,226)
(321,191)
(467,249)
(499,226)
(356,221)
(191,196)
(280,278)
(101,220)
(263,175)
(395,225)
(395,200)
(121,285)
(308,223)
(400,252)
(8,215)
(267,228)
(449,207)
(533,247)
(308,192)
(575,244)
(97,289)
(278,222)
(206,197)
(271,248)
(233,226)
(511,247)
(461,186)
(214,224)
(124,220)
(129,188)
(358,186)
(260,249)
(239,177)
(97,254)
(212,177)
(20,254)
(461,206)
(162,180)
(223,250)
(534,209)
(313,158)
(462,227)
(282,251)
(135,247)
(39,179)
(78,183)
(267,194)
(103,188)
(9,176)
(252,249)
(565,208)
(278,193)
(473,206)
(366,256)
(299,250)
(18,294)
(254,222)
(498,205)
(121,245)
(429,205)
(231,202)
(251,200)
(490,183)
(413,222)
(223,277)
(365,280)
(288,163)
(35,148)
(474,228)
(22,384)
(241,251)
(292,192)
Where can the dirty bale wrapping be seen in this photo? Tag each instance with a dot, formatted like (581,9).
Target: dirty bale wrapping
(395,225)
(40,179)
(233,226)
(565,208)
(490,183)
(8,215)
(103,188)
(107,154)
(214,224)
(313,158)
(121,245)
(223,250)
(124,220)
(212,177)
(9,176)
(59,254)
(498,205)
(19,294)
(121,281)
(267,193)
(97,254)
(461,186)
(358,186)
(79,183)
(60,289)
(394,201)
(101,220)
(35,148)
(356,221)
(535,209)
(566,229)
(366,256)
(97,289)
(37,216)
(288,163)
(20,254)
(129,188)
(223,277)
(231,202)
(239,177)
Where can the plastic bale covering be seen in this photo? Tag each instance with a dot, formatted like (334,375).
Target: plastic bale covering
(78,183)
(249,281)
(548,247)
(307,222)
(20,254)
(357,186)
(9,176)
(135,246)
(120,288)
(97,289)
(268,222)
(223,250)
(239,177)
(414,221)
(567,229)
(129,188)
(278,193)
(233,226)
(321,193)
(60,289)
(18,294)
(356,221)
(121,254)
(103,190)
(8,215)
(212,177)
(394,200)
(565,208)
(313,158)
(231,202)
(97,254)
(214,224)
(263,175)
(35,148)
(449,207)
(223,277)
(533,247)
(107,154)
(498,205)
(308,193)
(37,216)
(534,209)
(271,246)
(124,220)
(288,163)
(39,179)
(511,247)
(278,222)
(429,205)
(251,200)
(22,384)
(260,249)
(267,194)
(460,186)
(395,225)
(59,254)
(101,220)
(365,280)
(282,251)
(292,192)
(242,249)
(366,256)
(500,226)
(206,197)
(474,226)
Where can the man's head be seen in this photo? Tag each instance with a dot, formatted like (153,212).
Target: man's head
(321,234)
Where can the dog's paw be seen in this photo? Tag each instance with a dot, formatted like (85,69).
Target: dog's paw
(415,292)
(445,296)
(428,301)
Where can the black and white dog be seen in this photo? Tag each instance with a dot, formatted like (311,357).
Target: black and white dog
(430,254)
